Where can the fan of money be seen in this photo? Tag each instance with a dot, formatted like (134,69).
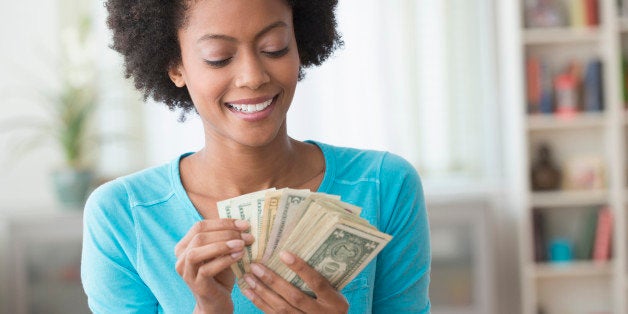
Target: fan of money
(321,229)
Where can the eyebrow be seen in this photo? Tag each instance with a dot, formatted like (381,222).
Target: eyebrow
(233,39)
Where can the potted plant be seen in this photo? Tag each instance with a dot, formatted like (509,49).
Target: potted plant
(70,106)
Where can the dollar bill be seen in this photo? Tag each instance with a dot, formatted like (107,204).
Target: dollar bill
(288,204)
(268,214)
(327,233)
(245,207)
(343,254)
(225,211)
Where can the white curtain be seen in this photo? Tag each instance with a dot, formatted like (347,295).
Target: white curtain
(416,77)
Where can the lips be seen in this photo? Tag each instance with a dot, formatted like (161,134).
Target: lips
(253,109)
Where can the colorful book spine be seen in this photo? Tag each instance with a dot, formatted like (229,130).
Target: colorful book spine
(547,89)
(577,13)
(584,247)
(593,93)
(533,84)
(591,12)
(603,235)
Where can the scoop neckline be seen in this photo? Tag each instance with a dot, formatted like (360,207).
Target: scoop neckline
(179,190)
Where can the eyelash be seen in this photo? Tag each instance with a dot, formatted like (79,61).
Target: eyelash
(271,54)
(278,53)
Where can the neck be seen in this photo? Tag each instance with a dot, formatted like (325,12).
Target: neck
(236,169)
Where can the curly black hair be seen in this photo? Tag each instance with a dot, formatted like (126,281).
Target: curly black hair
(145,33)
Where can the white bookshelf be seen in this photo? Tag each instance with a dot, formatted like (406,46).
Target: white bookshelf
(541,122)
(580,269)
(581,285)
(556,199)
(560,35)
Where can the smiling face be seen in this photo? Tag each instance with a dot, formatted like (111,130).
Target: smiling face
(240,64)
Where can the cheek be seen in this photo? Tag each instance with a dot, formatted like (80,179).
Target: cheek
(206,88)
(287,73)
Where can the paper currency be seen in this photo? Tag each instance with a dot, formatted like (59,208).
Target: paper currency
(244,207)
(321,229)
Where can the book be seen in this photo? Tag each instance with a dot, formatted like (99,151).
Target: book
(538,225)
(593,93)
(591,12)
(547,89)
(533,84)
(586,238)
(603,235)
(577,13)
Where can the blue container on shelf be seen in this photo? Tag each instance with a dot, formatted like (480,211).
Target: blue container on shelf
(560,250)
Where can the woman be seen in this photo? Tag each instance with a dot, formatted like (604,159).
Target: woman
(153,241)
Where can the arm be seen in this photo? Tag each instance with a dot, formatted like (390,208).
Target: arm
(403,267)
(108,272)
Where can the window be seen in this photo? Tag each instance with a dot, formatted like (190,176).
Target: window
(415,78)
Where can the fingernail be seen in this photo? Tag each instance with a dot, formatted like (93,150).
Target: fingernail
(234,244)
(242,224)
(248,294)
(236,255)
(287,258)
(250,281)
(257,270)
(247,237)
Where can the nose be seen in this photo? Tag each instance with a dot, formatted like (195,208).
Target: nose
(251,72)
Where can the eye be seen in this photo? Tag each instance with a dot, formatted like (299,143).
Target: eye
(218,63)
(278,53)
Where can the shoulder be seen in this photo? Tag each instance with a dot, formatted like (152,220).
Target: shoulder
(383,165)
(145,186)
(116,199)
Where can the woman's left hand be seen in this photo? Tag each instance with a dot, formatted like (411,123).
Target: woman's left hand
(273,294)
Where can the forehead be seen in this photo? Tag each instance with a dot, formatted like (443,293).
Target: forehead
(235,18)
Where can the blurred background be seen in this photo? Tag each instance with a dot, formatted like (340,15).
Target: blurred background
(512,111)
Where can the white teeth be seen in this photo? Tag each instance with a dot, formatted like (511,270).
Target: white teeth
(251,108)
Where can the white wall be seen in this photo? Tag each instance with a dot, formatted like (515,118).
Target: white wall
(29,33)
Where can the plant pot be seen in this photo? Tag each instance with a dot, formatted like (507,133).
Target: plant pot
(72,187)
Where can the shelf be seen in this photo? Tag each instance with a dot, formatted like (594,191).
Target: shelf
(623,24)
(550,122)
(571,269)
(569,198)
(560,35)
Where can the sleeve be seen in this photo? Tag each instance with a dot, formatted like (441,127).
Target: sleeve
(108,274)
(403,267)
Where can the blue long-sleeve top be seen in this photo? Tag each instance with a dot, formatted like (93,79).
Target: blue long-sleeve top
(132,224)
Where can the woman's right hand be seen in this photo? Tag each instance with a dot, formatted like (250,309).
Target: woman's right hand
(204,256)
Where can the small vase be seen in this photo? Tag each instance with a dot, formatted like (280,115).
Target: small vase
(545,174)
(72,187)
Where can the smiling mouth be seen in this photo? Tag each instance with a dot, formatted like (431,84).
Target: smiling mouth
(251,108)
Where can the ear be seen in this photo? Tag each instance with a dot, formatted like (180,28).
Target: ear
(176,75)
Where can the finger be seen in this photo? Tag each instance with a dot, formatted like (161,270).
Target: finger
(314,280)
(211,269)
(207,226)
(265,298)
(276,291)
(208,238)
(205,238)
(211,225)
(259,302)
(188,263)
